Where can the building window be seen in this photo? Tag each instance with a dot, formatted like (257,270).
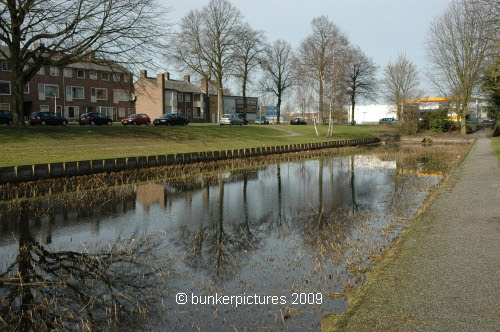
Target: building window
(74,92)
(187,98)
(116,77)
(44,108)
(93,74)
(68,72)
(4,88)
(4,107)
(179,97)
(6,66)
(100,94)
(26,88)
(127,78)
(80,73)
(47,91)
(54,71)
(105,76)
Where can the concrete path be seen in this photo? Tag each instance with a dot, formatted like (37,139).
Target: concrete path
(446,275)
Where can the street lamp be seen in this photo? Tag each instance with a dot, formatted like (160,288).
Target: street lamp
(55,102)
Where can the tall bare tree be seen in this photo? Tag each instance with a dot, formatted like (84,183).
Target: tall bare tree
(248,48)
(316,53)
(38,33)
(206,44)
(277,70)
(362,81)
(457,46)
(400,83)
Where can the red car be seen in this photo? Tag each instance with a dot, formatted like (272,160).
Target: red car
(136,119)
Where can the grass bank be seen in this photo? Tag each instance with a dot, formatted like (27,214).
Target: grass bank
(495,142)
(37,144)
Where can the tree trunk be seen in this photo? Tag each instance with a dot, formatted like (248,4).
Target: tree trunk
(463,123)
(18,96)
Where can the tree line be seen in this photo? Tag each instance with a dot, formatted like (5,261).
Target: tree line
(324,74)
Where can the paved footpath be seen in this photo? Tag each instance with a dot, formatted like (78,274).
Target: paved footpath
(446,276)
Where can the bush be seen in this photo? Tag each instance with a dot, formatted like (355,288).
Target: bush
(436,121)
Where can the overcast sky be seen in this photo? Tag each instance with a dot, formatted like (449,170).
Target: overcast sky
(382,28)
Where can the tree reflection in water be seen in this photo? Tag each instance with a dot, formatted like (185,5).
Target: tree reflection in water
(46,290)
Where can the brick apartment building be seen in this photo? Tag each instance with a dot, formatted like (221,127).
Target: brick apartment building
(161,94)
(73,90)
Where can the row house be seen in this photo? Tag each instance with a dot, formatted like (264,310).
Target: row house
(161,94)
(73,90)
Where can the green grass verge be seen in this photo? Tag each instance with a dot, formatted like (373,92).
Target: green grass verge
(37,144)
(495,142)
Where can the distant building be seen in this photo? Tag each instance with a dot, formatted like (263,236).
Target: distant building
(161,94)
(73,90)
(233,105)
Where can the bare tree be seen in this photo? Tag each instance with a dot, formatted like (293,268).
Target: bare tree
(457,46)
(248,48)
(38,33)
(277,67)
(338,81)
(400,83)
(316,53)
(206,44)
(362,81)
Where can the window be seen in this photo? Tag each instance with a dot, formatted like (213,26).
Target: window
(4,88)
(187,98)
(6,66)
(116,77)
(44,108)
(179,97)
(99,94)
(105,76)
(68,72)
(74,92)
(127,78)
(47,91)
(4,107)
(54,71)
(80,73)
(26,88)
(120,95)
(121,112)
(41,71)
(93,74)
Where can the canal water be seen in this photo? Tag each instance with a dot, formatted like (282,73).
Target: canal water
(268,248)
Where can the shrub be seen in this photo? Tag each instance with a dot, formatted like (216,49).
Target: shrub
(436,121)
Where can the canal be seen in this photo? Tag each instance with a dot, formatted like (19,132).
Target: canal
(272,247)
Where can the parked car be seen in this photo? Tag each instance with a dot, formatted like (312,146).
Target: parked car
(242,117)
(136,119)
(298,121)
(230,119)
(47,118)
(94,118)
(387,121)
(5,117)
(261,120)
(171,119)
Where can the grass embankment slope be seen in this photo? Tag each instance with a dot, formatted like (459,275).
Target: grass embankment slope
(495,142)
(37,144)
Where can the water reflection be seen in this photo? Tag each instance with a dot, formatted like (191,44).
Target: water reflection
(117,257)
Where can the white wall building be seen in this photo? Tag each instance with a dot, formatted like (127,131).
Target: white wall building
(371,114)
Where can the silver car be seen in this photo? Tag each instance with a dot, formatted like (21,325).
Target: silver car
(230,119)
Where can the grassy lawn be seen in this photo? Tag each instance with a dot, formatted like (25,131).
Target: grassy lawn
(37,144)
(495,142)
